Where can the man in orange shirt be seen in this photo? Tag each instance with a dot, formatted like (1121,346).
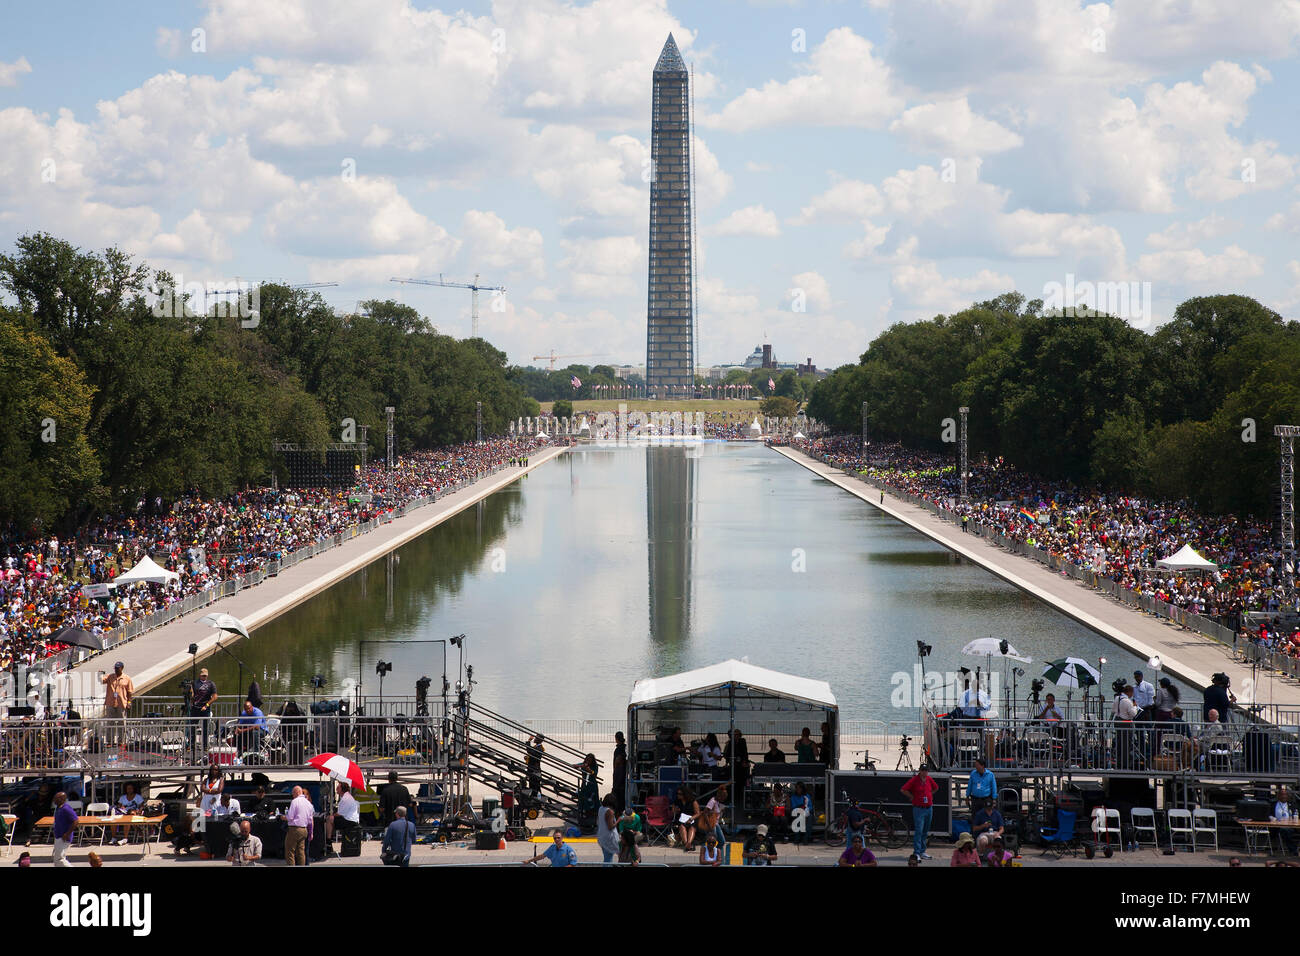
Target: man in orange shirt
(118,692)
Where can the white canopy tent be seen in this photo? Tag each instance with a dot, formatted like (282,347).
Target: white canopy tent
(800,435)
(146,571)
(541,435)
(730,695)
(1186,559)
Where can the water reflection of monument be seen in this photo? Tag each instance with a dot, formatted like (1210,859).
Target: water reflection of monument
(670,476)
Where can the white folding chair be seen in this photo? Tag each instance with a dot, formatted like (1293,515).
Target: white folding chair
(1143,820)
(1106,826)
(1205,823)
(1253,835)
(1180,824)
(98,810)
(968,747)
(11,823)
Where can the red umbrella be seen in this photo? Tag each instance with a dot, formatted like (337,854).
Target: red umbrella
(339,768)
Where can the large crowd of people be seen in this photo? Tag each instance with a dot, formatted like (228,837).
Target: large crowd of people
(1117,536)
(205,541)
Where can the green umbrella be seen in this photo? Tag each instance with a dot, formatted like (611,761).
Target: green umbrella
(1072,672)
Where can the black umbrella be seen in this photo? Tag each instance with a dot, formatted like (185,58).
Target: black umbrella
(77,637)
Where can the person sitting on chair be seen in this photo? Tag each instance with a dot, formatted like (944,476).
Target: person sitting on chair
(987,825)
(250,729)
(774,753)
(1049,711)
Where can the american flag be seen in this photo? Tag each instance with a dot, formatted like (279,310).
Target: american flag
(577,382)
(770,385)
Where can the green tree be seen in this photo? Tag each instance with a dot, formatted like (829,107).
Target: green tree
(779,406)
(47,467)
(562,409)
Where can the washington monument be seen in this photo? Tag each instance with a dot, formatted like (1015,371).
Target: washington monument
(670,367)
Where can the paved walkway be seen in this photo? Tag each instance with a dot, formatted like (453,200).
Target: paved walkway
(160,654)
(1189,656)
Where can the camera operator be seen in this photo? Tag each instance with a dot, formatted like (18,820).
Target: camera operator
(1218,698)
(245,848)
(205,695)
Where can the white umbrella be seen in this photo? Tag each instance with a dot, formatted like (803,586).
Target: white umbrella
(225,622)
(1072,672)
(992,646)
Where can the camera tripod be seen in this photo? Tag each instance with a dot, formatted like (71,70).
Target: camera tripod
(904,758)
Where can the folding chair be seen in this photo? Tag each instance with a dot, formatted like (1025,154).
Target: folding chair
(1199,817)
(97,810)
(11,823)
(1218,754)
(658,819)
(968,747)
(1106,827)
(1143,820)
(1252,838)
(1039,743)
(1180,824)
(1060,838)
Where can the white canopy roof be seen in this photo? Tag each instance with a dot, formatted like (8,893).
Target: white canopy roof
(541,435)
(800,435)
(1186,560)
(146,570)
(653,689)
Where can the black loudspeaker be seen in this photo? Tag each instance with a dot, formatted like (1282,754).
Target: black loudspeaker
(1257,750)
(328,728)
(316,848)
(1257,810)
(351,842)
(487,840)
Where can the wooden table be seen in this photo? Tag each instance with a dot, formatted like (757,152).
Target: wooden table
(122,820)
(1280,825)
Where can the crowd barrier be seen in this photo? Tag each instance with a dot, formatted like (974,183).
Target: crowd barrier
(60,662)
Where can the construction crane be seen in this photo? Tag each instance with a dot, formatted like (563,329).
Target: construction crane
(552,357)
(473,287)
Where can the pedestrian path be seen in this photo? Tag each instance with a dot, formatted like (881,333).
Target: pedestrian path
(1186,655)
(159,655)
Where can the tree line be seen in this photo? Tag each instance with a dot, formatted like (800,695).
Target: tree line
(107,399)
(1183,413)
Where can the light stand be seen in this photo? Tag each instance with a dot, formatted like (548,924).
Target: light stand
(922,652)
(317,683)
(228,653)
(382,668)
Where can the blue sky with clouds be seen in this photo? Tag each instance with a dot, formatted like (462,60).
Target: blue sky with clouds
(880,161)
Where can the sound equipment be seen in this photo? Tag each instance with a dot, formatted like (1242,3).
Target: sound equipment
(324,707)
(351,842)
(1257,750)
(1257,810)
(487,840)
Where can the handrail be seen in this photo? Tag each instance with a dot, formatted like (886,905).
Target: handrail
(525,729)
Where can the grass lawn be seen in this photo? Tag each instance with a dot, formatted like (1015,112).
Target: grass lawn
(707,405)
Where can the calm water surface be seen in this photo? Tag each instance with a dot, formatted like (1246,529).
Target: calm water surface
(612,564)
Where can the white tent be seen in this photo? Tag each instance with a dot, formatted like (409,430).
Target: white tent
(1186,560)
(541,435)
(146,570)
(698,683)
(800,435)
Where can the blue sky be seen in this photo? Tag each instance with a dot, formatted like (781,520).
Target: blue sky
(875,162)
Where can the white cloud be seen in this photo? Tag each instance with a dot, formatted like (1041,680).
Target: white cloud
(331,217)
(1193,267)
(951,128)
(602,268)
(920,290)
(749,221)
(814,287)
(9,72)
(1185,235)
(846,84)
(490,245)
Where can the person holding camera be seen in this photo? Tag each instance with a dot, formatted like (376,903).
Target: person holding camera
(203,694)
(245,849)
(1218,699)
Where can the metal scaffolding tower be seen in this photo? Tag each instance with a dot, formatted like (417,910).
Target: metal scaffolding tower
(963,411)
(864,428)
(1286,518)
(478,421)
